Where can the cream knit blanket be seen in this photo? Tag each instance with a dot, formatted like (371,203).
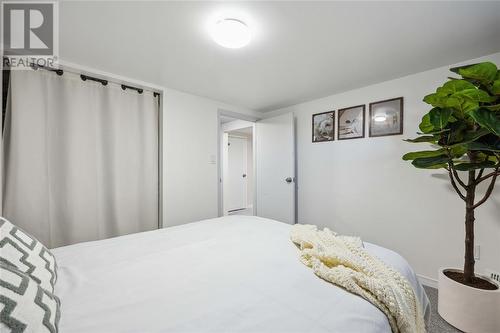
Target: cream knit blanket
(343,261)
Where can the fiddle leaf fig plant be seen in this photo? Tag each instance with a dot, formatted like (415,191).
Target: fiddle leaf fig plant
(463,129)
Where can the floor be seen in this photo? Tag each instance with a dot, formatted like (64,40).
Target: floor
(437,324)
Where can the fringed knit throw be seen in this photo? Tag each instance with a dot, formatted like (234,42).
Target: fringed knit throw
(343,261)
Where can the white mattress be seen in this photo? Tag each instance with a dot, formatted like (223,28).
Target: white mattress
(231,274)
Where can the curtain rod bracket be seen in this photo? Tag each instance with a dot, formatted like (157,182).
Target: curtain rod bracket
(139,90)
(86,77)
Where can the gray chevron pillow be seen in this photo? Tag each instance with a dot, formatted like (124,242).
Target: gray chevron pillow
(26,306)
(27,254)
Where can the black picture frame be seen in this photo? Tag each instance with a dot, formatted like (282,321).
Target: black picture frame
(341,112)
(393,126)
(323,126)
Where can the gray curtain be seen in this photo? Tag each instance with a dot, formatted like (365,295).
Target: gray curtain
(80,160)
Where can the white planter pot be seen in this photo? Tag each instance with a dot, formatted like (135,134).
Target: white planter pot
(468,309)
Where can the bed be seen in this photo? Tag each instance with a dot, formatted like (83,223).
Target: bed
(230,274)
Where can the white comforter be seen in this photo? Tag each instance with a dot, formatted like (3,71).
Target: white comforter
(231,274)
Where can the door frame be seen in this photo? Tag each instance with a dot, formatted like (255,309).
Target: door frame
(220,134)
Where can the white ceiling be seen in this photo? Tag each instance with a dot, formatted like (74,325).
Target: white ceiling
(224,119)
(301,50)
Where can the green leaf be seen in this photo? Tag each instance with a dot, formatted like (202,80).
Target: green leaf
(484,72)
(465,100)
(474,135)
(425,138)
(487,119)
(423,153)
(435,132)
(435,100)
(454,86)
(483,146)
(496,87)
(467,105)
(458,151)
(476,95)
(426,126)
(435,162)
(457,132)
(439,117)
(495,107)
(470,136)
(488,144)
(494,159)
(442,101)
(473,166)
(468,100)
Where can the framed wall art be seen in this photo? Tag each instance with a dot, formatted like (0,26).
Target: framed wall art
(386,117)
(351,122)
(323,126)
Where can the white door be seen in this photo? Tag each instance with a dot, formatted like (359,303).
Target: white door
(236,173)
(275,172)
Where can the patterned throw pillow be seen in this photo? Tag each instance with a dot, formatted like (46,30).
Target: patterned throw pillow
(26,306)
(27,254)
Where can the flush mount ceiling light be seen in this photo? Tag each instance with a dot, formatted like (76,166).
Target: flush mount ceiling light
(231,32)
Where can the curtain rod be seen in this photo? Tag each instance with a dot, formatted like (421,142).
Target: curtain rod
(55,70)
(84,77)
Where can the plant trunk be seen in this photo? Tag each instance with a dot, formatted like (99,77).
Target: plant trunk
(469,228)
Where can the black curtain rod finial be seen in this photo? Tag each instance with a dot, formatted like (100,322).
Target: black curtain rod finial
(55,70)
(156,94)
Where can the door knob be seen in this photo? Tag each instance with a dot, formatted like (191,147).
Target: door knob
(244,175)
(289,180)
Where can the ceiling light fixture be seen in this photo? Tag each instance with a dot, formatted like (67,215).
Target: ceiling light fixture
(231,33)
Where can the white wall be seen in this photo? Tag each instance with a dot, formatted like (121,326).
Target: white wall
(362,187)
(190,126)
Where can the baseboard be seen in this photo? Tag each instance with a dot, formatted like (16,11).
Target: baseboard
(427,281)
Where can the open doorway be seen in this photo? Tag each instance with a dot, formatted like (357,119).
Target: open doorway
(237,166)
(263,185)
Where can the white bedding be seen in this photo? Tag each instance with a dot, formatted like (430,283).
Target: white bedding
(231,274)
